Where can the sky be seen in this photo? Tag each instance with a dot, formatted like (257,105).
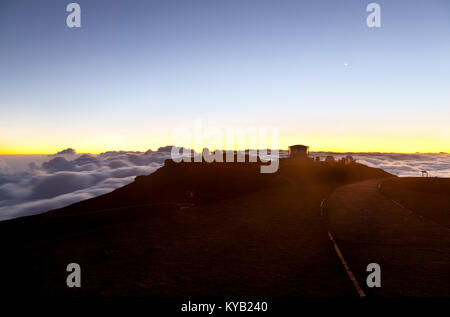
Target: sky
(137,70)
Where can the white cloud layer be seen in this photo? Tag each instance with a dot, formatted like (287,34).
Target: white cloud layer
(437,165)
(48,182)
(67,177)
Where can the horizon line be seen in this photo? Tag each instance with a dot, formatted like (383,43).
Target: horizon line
(143,151)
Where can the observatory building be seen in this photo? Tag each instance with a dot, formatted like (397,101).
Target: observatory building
(298,151)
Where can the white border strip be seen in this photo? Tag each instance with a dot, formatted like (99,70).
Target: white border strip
(346,267)
(341,257)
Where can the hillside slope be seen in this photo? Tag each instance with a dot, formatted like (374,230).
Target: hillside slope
(188,229)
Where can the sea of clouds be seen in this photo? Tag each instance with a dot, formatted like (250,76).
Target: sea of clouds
(34,184)
(436,164)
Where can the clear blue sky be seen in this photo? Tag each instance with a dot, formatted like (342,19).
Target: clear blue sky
(137,69)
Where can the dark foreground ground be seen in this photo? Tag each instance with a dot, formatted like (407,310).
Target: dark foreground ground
(219,229)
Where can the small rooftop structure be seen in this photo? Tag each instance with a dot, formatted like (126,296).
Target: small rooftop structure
(348,160)
(298,150)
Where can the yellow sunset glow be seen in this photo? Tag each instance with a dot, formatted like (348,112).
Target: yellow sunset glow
(316,143)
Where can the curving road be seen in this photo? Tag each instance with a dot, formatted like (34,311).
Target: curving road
(414,254)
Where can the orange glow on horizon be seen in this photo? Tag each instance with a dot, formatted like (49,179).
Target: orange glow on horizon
(317,144)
